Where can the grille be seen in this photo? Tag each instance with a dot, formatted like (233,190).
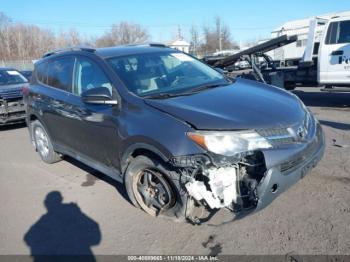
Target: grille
(277,136)
(287,135)
(305,154)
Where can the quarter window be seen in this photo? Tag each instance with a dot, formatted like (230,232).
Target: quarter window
(41,73)
(89,75)
(60,73)
(331,33)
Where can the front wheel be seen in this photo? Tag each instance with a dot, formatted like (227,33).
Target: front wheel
(155,188)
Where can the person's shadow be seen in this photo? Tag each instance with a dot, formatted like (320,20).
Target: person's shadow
(63,230)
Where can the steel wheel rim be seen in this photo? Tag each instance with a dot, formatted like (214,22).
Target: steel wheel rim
(153,192)
(42,141)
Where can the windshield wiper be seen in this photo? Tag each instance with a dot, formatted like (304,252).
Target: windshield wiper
(162,95)
(191,92)
(208,86)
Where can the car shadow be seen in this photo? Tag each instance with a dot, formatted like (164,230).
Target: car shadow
(341,126)
(324,99)
(13,126)
(92,172)
(63,233)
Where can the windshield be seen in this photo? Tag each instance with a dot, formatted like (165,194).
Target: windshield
(11,77)
(164,73)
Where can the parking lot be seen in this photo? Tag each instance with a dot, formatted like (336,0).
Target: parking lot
(312,217)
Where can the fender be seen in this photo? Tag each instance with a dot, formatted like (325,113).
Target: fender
(165,155)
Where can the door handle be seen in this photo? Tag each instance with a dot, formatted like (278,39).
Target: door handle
(338,52)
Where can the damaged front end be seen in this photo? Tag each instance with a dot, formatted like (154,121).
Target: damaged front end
(214,182)
(248,181)
(12,109)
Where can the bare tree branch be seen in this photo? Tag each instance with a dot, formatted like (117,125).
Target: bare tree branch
(123,33)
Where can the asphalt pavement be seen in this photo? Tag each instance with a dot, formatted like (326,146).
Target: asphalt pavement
(69,208)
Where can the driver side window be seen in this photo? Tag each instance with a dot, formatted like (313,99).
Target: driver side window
(89,75)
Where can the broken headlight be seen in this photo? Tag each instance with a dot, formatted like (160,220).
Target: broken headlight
(229,143)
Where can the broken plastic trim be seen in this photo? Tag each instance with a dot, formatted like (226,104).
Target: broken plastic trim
(222,191)
(214,182)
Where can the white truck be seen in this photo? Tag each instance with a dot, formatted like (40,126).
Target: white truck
(325,62)
(334,53)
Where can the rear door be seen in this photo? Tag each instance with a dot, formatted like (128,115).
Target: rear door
(54,81)
(93,129)
(335,54)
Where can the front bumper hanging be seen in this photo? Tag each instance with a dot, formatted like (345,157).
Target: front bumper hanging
(250,184)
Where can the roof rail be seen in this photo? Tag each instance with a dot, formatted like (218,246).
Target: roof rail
(74,48)
(153,44)
(157,45)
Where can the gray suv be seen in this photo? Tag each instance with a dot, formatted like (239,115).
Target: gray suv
(185,140)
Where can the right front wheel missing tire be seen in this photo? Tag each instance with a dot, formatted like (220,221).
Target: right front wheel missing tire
(153,192)
(155,187)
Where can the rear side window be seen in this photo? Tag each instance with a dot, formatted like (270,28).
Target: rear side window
(59,74)
(338,33)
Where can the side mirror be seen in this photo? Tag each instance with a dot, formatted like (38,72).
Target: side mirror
(98,95)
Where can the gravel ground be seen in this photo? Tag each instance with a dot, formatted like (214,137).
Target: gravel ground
(312,217)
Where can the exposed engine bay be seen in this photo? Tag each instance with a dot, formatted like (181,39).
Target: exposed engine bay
(229,183)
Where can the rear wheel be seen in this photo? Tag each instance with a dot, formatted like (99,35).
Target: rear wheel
(155,188)
(289,85)
(328,87)
(43,143)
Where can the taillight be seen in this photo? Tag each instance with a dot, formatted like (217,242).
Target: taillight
(25,89)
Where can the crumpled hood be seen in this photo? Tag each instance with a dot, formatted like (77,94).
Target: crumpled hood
(11,91)
(244,104)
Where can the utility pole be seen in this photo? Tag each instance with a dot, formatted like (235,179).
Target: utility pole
(179,33)
(218,31)
(220,37)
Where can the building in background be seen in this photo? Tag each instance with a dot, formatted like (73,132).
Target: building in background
(180,45)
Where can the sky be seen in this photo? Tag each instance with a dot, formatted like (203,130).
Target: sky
(248,20)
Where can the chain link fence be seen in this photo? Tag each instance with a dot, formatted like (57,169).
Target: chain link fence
(18,64)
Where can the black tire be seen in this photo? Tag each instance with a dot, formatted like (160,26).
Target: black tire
(48,155)
(328,87)
(175,208)
(289,86)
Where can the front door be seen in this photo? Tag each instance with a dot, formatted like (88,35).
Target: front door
(335,54)
(93,129)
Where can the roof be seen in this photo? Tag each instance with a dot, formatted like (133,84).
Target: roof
(301,23)
(106,52)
